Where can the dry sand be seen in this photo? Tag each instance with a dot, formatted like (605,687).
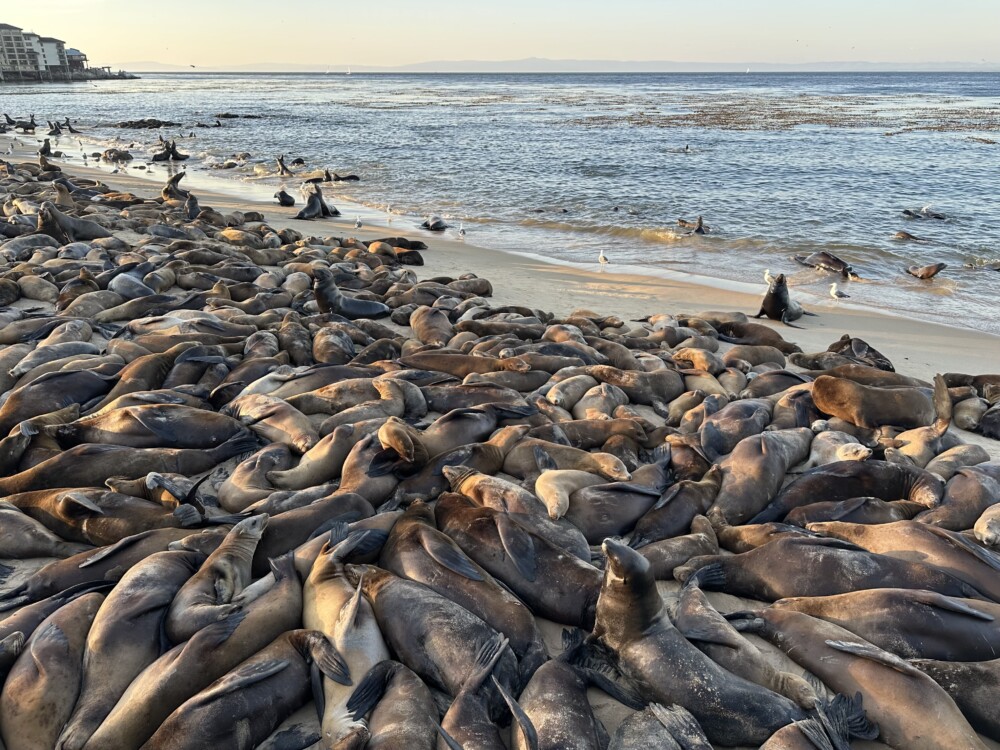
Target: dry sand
(916,348)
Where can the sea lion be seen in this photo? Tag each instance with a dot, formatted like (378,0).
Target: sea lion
(828,262)
(920,542)
(987,528)
(632,624)
(831,446)
(400,709)
(967,496)
(209,595)
(926,272)
(274,419)
(22,536)
(152,426)
(752,474)
(855,510)
(668,554)
(910,623)
(514,555)
(673,514)
(331,300)
(192,666)
(335,607)
(284,199)
(663,727)
(416,550)
(448,636)
(844,480)
(850,665)
(125,638)
(779,305)
(244,706)
(869,406)
(434,223)
(844,567)
(43,685)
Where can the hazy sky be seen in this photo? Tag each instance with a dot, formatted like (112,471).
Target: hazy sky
(394,32)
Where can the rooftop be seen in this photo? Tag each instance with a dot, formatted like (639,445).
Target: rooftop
(51,39)
(8,27)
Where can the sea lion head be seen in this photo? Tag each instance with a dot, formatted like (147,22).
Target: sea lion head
(252,527)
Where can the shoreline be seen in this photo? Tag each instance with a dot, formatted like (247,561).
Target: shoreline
(918,347)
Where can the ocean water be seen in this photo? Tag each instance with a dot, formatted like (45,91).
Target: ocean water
(565,166)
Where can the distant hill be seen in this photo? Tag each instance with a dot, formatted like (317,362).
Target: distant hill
(542,65)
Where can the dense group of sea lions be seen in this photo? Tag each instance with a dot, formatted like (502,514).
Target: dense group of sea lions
(269,490)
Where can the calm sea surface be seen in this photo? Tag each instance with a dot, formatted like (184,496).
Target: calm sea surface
(778,164)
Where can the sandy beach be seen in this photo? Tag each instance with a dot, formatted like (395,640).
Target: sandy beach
(917,348)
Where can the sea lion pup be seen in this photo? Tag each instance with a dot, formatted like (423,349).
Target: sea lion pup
(243,707)
(274,420)
(870,510)
(487,457)
(779,305)
(22,537)
(663,727)
(987,528)
(973,686)
(507,497)
(910,623)
(445,653)
(845,480)
(949,463)
(675,511)
(554,486)
(668,554)
(284,199)
(47,675)
(125,638)
(336,608)
(323,462)
(913,541)
(400,709)
(416,550)
(926,272)
(851,665)
(209,595)
(697,619)
(844,567)
(827,262)
(331,300)
(514,555)
(633,628)
(467,722)
(152,426)
(192,666)
(967,496)
(830,446)
(434,223)
(752,474)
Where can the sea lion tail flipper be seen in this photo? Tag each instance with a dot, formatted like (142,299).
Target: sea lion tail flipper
(448,555)
(942,405)
(543,460)
(329,661)
(240,678)
(518,545)
(384,462)
(817,734)
(512,411)
(524,724)
(27,429)
(806,312)
(851,712)
(706,574)
(619,692)
(371,689)
(681,724)
(874,653)
(486,660)
(784,319)
(760,314)
(746,621)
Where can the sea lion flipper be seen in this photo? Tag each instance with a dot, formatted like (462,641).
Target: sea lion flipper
(982,554)
(103,552)
(934,599)
(520,717)
(518,545)
(76,504)
(448,556)
(700,625)
(240,678)
(682,725)
(812,730)
(330,662)
(874,653)
(784,319)
(370,689)
(448,739)
(543,460)
(616,690)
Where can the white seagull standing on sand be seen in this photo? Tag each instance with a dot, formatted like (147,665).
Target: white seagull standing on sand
(461,229)
(767,276)
(836,293)
(603,259)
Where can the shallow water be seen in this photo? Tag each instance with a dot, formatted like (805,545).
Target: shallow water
(778,164)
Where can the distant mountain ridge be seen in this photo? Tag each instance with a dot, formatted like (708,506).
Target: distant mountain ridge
(543,65)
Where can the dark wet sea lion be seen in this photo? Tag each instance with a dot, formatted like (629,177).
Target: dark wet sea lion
(909,622)
(672,515)
(401,712)
(779,305)
(827,262)
(815,567)
(632,623)
(331,300)
(284,199)
(244,706)
(926,272)
(910,709)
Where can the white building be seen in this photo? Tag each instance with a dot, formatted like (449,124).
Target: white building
(54,54)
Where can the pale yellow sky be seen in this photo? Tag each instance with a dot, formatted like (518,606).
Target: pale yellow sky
(211,33)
